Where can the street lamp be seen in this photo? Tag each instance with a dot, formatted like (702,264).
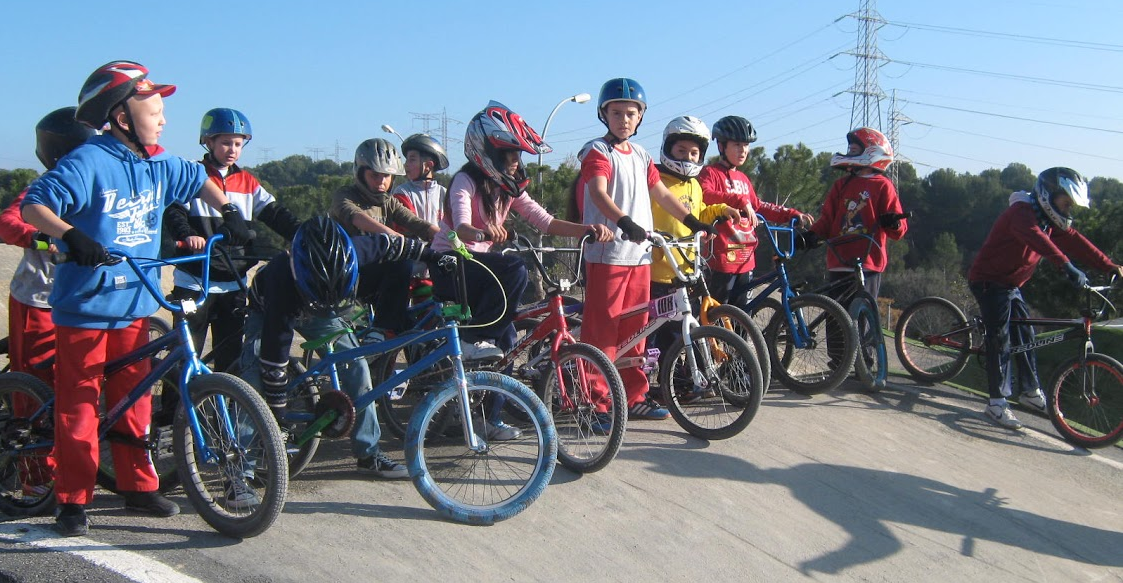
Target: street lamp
(579,98)
(386,128)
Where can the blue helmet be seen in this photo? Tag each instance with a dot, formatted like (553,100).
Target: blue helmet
(223,120)
(621,89)
(324,264)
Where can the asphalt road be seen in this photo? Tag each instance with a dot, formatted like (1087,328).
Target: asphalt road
(909,484)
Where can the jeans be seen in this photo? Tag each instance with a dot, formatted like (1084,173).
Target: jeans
(354,375)
(998,304)
(485,297)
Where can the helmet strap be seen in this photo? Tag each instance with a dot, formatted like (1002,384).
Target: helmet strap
(130,132)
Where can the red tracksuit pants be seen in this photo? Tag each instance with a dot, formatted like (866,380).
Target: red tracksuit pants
(31,341)
(609,291)
(79,371)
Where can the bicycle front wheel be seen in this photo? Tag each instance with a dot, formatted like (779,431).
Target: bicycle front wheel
(736,320)
(829,343)
(1086,401)
(237,477)
(27,483)
(934,340)
(870,366)
(495,483)
(590,427)
(718,397)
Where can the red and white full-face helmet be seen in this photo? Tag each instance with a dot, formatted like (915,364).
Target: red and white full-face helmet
(490,134)
(873,147)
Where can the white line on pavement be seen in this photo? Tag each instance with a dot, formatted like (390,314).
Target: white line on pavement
(125,563)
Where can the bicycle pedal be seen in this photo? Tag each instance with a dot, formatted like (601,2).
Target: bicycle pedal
(630,362)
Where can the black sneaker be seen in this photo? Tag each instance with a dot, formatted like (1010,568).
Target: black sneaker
(150,503)
(383,467)
(71,520)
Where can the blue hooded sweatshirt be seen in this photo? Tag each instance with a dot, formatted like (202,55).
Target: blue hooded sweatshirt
(106,191)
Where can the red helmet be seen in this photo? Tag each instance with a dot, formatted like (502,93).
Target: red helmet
(111,84)
(493,131)
(876,153)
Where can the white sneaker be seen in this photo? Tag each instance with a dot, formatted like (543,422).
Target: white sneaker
(481,350)
(1035,400)
(1002,416)
(498,431)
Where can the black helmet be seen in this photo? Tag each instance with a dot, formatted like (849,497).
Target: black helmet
(57,134)
(734,128)
(425,144)
(1054,182)
(324,264)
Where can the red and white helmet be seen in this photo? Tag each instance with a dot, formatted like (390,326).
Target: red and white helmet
(111,84)
(875,151)
(494,131)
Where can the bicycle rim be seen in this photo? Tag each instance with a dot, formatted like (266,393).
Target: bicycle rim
(27,486)
(588,405)
(1086,401)
(490,485)
(933,340)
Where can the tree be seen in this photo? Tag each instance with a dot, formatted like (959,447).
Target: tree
(12,182)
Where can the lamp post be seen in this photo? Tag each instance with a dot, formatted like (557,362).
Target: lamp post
(579,98)
(386,128)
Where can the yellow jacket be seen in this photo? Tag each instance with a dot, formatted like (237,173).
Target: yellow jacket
(690,193)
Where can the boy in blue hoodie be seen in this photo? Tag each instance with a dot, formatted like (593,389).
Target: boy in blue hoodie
(110,191)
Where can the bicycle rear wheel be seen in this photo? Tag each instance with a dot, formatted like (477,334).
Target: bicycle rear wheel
(300,411)
(238,478)
(822,363)
(27,484)
(735,319)
(165,400)
(764,316)
(728,395)
(934,340)
(871,364)
(1086,401)
(587,439)
(487,486)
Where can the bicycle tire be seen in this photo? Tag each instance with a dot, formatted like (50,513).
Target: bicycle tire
(813,369)
(165,400)
(395,413)
(764,316)
(923,319)
(703,411)
(252,457)
(733,318)
(871,361)
(27,486)
(300,410)
(1085,401)
(466,486)
(583,445)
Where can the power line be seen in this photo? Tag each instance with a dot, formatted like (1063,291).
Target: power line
(1014,117)
(1017,37)
(1019,142)
(866,109)
(1039,80)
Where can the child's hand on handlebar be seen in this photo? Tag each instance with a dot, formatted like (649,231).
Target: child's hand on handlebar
(194,243)
(600,233)
(733,214)
(806,220)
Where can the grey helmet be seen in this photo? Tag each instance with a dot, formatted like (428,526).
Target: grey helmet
(425,144)
(380,156)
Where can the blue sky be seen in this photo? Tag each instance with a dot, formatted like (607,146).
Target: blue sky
(327,75)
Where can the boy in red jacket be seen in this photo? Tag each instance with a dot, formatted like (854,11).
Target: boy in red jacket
(1036,224)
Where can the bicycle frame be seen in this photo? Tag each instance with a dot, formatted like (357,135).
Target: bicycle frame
(181,352)
(778,280)
(450,348)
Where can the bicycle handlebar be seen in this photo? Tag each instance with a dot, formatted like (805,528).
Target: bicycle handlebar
(138,265)
(668,243)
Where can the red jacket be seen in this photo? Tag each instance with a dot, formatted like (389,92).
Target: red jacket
(852,207)
(730,186)
(1017,243)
